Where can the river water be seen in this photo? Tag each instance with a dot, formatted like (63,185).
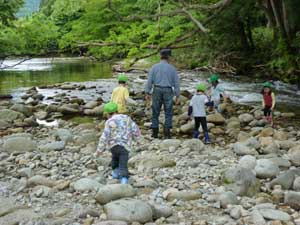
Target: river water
(50,71)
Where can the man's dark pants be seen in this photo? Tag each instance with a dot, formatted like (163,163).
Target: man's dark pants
(162,96)
(120,160)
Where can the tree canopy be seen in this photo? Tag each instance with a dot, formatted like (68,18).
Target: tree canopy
(223,35)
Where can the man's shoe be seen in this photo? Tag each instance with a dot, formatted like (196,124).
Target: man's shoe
(155,132)
(124,180)
(167,133)
(115,174)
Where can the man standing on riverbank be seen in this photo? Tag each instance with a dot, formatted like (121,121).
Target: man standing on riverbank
(164,81)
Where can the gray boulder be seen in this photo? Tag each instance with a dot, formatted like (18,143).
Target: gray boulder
(86,184)
(166,144)
(194,144)
(129,210)
(112,192)
(111,222)
(53,146)
(247,162)
(241,181)
(296,184)
(188,127)
(21,108)
(294,155)
(292,198)
(10,115)
(161,211)
(285,179)
(183,195)
(64,135)
(265,168)
(20,143)
(40,180)
(4,124)
(228,198)
(86,137)
(272,214)
(242,149)
(246,118)
(69,109)
(215,118)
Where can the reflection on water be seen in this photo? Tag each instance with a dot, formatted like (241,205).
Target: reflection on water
(46,71)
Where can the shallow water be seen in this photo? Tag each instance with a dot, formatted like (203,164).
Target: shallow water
(46,71)
(49,71)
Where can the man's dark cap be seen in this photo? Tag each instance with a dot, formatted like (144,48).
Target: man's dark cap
(166,52)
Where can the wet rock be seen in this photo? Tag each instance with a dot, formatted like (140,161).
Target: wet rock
(40,180)
(265,168)
(246,118)
(89,212)
(90,105)
(86,184)
(41,191)
(41,115)
(241,181)
(129,210)
(10,115)
(27,111)
(172,194)
(112,192)
(53,146)
(285,180)
(194,144)
(227,198)
(161,211)
(292,198)
(273,214)
(216,118)
(288,115)
(69,109)
(20,143)
(294,155)
(296,184)
(247,162)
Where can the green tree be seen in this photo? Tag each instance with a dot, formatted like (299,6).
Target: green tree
(8,10)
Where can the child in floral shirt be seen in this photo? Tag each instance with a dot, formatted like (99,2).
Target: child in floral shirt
(118,134)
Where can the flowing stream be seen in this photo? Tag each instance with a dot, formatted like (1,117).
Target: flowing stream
(50,71)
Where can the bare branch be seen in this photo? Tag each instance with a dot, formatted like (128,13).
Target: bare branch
(3,66)
(195,21)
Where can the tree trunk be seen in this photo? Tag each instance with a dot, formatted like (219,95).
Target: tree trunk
(243,36)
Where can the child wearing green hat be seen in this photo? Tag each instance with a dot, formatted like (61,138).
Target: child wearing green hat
(197,109)
(216,91)
(119,133)
(268,101)
(120,94)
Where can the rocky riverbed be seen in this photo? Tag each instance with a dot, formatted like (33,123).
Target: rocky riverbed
(249,175)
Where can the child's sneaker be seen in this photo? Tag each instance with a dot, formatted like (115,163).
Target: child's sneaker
(115,174)
(124,180)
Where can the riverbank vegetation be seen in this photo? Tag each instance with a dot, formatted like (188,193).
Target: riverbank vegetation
(230,36)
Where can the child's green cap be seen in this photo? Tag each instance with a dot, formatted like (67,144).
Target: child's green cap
(201,87)
(122,77)
(110,107)
(213,78)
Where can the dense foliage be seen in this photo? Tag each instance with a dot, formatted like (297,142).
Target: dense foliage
(231,36)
